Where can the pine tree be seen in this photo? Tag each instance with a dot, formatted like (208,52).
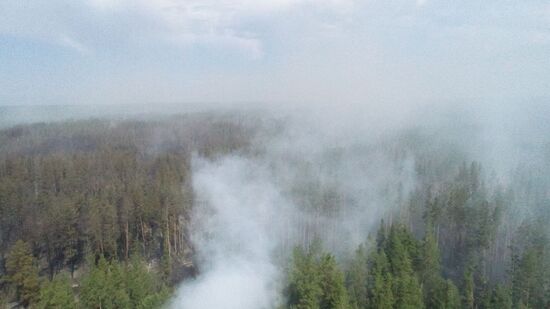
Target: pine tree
(450,295)
(406,288)
(95,290)
(501,298)
(304,290)
(334,294)
(381,236)
(104,287)
(155,300)
(408,292)
(380,282)
(356,279)
(120,297)
(22,272)
(56,294)
(430,270)
(525,278)
(144,288)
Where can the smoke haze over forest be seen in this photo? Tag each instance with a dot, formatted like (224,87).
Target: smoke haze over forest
(331,154)
(324,174)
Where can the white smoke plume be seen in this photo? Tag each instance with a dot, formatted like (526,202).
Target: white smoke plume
(296,186)
(237,221)
(330,176)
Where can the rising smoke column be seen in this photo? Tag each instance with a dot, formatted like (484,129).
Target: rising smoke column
(237,223)
(251,210)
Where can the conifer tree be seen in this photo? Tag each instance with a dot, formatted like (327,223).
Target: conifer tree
(450,296)
(406,288)
(56,294)
(104,287)
(501,298)
(334,294)
(22,273)
(356,279)
(430,270)
(380,282)
(145,289)
(304,288)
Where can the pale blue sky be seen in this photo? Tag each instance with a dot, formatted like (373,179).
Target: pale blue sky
(290,51)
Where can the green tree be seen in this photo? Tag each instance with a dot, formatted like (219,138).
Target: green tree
(501,298)
(104,287)
(22,272)
(380,282)
(334,294)
(304,289)
(356,279)
(56,294)
(406,289)
(430,271)
(449,295)
(527,279)
(381,236)
(315,281)
(145,289)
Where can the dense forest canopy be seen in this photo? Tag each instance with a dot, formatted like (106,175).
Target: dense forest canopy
(275,154)
(262,210)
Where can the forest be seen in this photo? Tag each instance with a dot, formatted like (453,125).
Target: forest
(106,213)
(90,207)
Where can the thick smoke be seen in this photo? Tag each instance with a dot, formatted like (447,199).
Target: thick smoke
(332,175)
(303,183)
(237,220)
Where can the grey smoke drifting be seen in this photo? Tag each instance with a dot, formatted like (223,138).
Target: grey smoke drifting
(332,175)
(304,182)
(237,221)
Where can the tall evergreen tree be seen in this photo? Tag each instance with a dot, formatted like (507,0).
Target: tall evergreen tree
(334,294)
(56,294)
(430,270)
(501,297)
(356,279)
(304,289)
(449,293)
(406,289)
(104,287)
(22,272)
(380,283)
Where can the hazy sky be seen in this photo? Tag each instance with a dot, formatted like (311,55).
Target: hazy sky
(329,51)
